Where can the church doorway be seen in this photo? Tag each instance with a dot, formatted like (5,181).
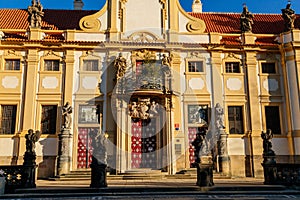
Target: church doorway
(144,144)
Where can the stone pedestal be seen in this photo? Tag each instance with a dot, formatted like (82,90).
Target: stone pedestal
(63,159)
(205,172)
(98,175)
(223,157)
(29,167)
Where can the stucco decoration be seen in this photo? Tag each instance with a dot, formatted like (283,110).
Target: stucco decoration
(91,22)
(271,85)
(90,83)
(234,84)
(196,83)
(194,25)
(144,36)
(10,82)
(50,82)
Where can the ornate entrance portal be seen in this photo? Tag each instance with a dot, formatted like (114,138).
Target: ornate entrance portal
(144,144)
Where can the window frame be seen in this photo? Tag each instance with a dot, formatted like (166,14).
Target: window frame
(54,121)
(232,67)
(52,67)
(191,60)
(93,61)
(242,121)
(12,59)
(13,121)
(195,67)
(279,122)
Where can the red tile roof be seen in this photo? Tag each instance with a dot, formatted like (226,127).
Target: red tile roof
(215,22)
(53,19)
(230,22)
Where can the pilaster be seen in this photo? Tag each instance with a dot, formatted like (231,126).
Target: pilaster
(217,82)
(173,20)
(112,19)
(30,90)
(68,81)
(255,109)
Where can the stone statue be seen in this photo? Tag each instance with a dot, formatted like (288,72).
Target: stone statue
(246,20)
(99,142)
(99,159)
(140,109)
(120,65)
(219,117)
(267,145)
(289,17)
(199,144)
(35,12)
(66,113)
(166,61)
(31,139)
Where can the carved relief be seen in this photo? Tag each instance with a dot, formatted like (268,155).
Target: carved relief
(143,37)
(143,109)
(232,55)
(144,54)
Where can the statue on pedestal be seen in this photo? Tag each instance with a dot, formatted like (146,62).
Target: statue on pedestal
(268,152)
(166,60)
(219,117)
(120,65)
(246,20)
(35,12)
(289,17)
(31,138)
(99,160)
(66,113)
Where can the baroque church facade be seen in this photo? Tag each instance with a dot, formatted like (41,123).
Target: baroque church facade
(150,76)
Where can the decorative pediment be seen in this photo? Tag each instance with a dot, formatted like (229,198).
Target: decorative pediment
(232,56)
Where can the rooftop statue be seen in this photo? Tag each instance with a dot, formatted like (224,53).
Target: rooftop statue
(36,13)
(289,16)
(246,20)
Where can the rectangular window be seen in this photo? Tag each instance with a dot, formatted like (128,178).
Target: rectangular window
(48,122)
(12,64)
(232,67)
(273,119)
(51,65)
(268,68)
(87,114)
(198,114)
(195,66)
(90,65)
(8,119)
(235,119)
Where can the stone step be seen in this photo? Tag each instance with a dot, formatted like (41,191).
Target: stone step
(136,174)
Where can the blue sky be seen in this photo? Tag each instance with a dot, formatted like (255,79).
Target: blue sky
(255,6)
